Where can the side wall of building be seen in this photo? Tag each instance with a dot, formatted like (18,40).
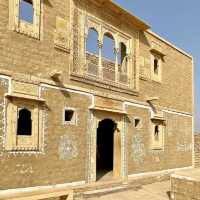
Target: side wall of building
(176,151)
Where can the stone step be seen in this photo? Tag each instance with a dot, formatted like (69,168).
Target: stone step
(102,188)
(99,186)
(109,190)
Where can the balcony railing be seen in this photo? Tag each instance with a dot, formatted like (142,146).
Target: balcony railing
(106,70)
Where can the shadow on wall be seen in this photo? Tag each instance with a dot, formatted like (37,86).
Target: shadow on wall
(144,39)
(59,83)
(48,3)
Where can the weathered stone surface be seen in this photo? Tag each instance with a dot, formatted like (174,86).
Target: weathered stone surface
(69,151)
(185,185)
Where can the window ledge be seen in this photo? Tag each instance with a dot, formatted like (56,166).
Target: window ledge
(30,34)
(157,149)
(19,148)
(156,118)
(23,96)
(62,48)
(109,110)
(144,78)
(117,87)
(157,51)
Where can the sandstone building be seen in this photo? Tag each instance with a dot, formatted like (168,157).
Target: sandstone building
(86,88)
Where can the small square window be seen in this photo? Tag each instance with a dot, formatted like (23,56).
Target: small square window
(26,11)
(137,123)
(70,116)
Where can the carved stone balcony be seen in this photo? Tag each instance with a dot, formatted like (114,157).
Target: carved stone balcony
(102,73)
(108,70)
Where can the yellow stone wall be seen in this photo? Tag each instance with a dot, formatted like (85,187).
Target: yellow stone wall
(60,50)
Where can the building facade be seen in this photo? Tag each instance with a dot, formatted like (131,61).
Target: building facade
(85,89)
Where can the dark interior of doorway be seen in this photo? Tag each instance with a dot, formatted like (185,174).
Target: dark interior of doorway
(105,147)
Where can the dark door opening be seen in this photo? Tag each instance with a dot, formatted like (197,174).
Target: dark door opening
(105,147)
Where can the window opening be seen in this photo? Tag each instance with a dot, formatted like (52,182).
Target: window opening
(122,53)
(69,115)
(92,42)
(109,47)
(26,10)
(156,132)
(137,123)
(24,122)
(156,66)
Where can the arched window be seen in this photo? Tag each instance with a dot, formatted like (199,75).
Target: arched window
(24,122)
(122,53)
(92,42)
(109,47)
(26,10)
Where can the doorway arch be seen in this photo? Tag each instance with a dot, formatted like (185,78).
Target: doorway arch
(105,148)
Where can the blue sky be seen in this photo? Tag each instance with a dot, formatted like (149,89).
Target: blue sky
(178,21)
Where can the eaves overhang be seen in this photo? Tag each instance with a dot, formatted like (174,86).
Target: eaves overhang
(125,14)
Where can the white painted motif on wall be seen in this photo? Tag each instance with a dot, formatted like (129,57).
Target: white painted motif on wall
(68,148)
(24,169)
(184,147)
(4,83)
(138,148)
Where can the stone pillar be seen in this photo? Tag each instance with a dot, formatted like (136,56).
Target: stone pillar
(116,65)
(100,43)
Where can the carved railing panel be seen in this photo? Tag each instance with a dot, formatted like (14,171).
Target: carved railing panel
(123,78)
(108,70)
(92,64)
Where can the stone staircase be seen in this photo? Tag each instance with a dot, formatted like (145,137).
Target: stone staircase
(102,188)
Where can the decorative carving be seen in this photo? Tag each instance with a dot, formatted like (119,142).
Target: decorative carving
(4,83)
(75,42)
(138,148)
(62,38)
(68,148)
(21,26)
(184,147)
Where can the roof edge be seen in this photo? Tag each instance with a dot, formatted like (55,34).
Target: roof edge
(169,43)
(142,25)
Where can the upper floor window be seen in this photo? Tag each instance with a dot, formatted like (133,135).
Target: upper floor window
(107,53)
(109,47)
(122,55)
(25,17)
(92,42)
(26,11)
(156,66)
(156,71)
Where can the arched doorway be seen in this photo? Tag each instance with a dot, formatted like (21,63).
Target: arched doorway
(105,148)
